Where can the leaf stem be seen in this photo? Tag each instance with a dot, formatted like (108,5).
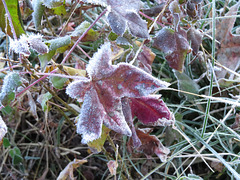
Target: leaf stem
(146,16)
(80,38)
(205,121)
(10,20)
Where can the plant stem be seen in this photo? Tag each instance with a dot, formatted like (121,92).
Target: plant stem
(80,38)
(205,122)
(10,19)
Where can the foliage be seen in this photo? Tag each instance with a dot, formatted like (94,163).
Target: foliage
(119,86)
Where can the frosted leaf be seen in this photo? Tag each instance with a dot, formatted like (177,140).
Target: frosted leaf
(3,129)
(25,43)
(122,14)
(20,46)
(136,25)
(36,43)
(59,42)
(37,14)
(117,23)
(10,83)
(175,46)
(80,29)
(99,2)
(150,146)
(103,92)
(52,3)
(195,36)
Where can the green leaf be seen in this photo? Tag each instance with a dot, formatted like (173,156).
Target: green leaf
(16,155)
(58,82)
(6,143)
(98,143)
(7,110)
(10,84)
(185,83)
(38,9)
(54,45)
(45,58)
(112,36)
(13,8)
(90,36)
(191,177)
(61,10)
(43,98)
(59,42)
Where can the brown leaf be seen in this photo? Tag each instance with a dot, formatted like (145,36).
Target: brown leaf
(150,145)
(229,52)
(67,172)
(112,166)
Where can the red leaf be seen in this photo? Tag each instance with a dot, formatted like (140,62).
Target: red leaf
(150,145)
(107,85)
(175,45)
(229,53)
(151,110)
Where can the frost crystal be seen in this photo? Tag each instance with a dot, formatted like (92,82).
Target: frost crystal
(25,43)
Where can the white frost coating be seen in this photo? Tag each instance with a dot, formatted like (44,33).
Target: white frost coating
(100,2)
(3,129)
(100,61)
(52,3)
(20,46)
(10,83)
(90,120)
(23,45)
(74,89)
(164,84)
(80,29)
(36,43)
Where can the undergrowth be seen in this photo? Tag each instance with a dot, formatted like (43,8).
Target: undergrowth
(119,89)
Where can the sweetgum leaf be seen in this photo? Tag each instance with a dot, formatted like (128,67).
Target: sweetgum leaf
(150,146)
(229,52)
(175,45)
(123,14)
(151,110)
(102,93)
